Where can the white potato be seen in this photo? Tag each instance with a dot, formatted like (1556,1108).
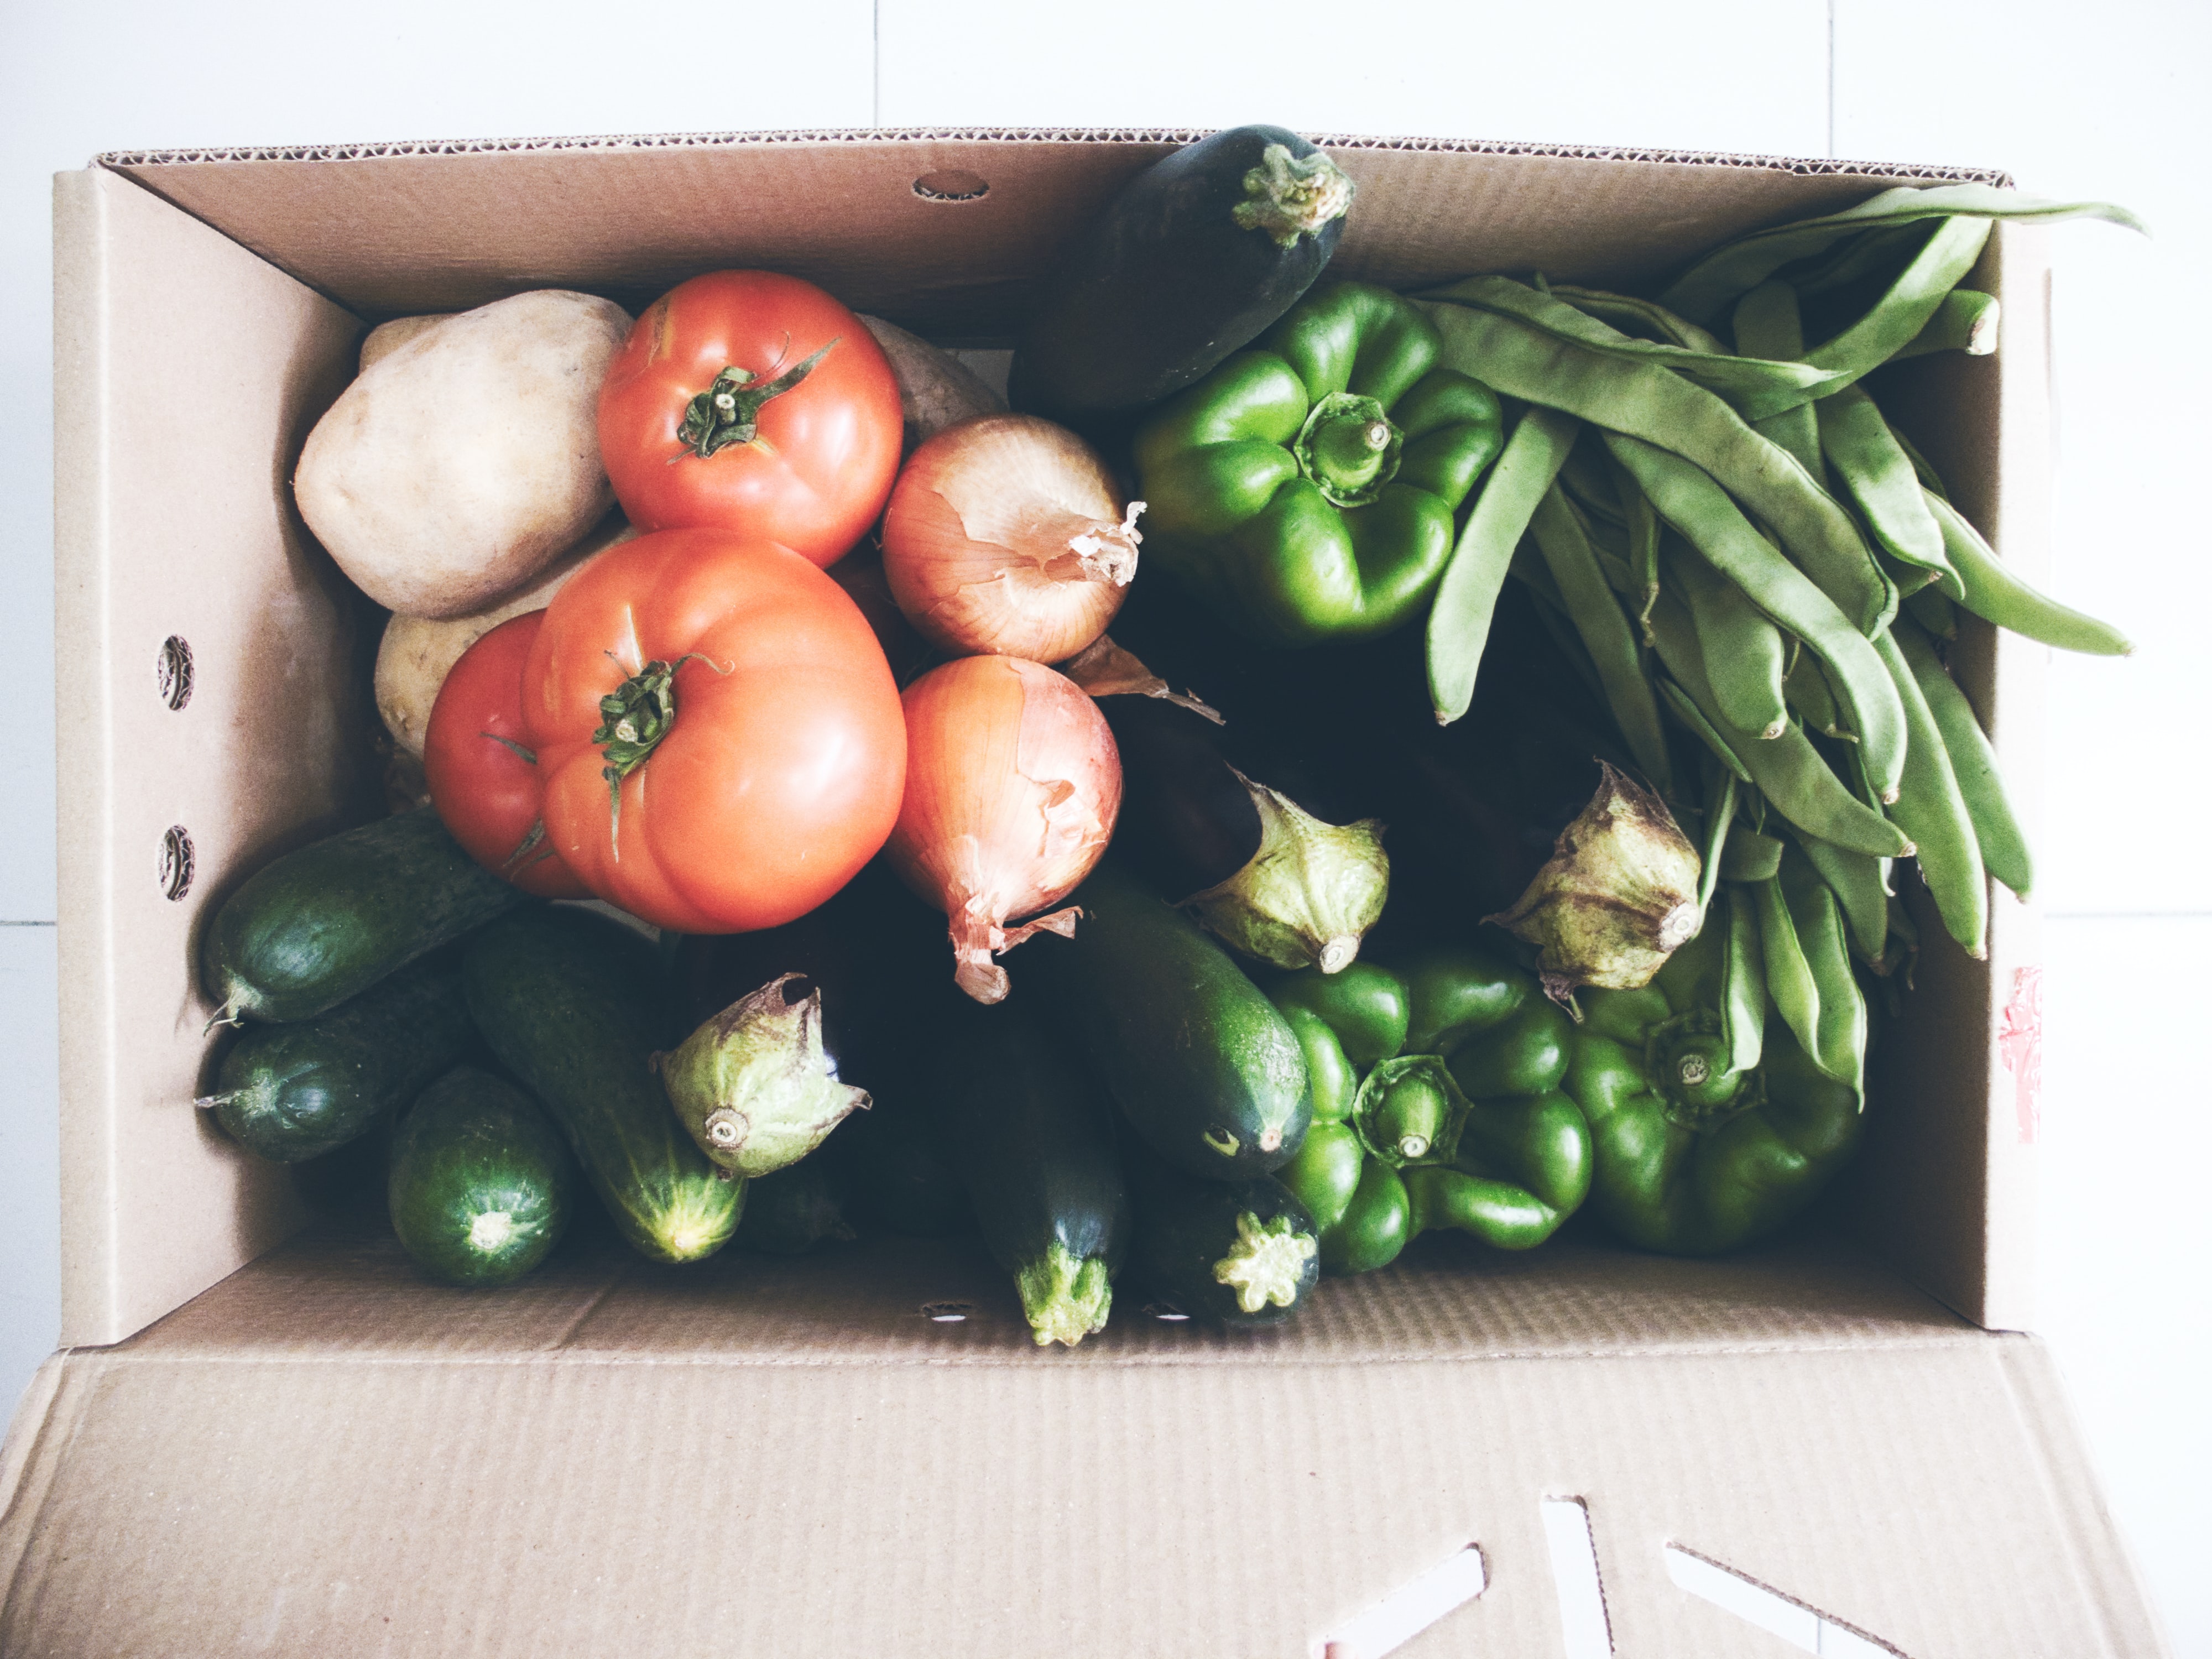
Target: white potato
(418,652)
(936,389)
(387,338)
(461,463)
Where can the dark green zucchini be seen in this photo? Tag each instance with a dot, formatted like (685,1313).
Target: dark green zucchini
(898,1177)
(326,922)
(1199,1062)
(1234,1252)
(574,1004)
(1190,262)
(794,1209)
(480,1184)
(1034,1146)
(290,1092)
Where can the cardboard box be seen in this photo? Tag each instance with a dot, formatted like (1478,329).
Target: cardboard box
(262,1439)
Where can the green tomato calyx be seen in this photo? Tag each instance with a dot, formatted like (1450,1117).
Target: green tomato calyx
(728,410)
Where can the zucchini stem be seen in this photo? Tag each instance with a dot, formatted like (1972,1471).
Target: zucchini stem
(1064,1297)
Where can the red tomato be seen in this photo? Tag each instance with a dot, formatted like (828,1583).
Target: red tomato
(766,744)
(483,779)
(814,467)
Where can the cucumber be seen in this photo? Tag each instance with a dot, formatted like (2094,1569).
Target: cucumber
(1238,1253)
(791,1211)
(1203,1065)
(1195,256)
(290,1092)
(326,922)
(1034,1146)
(480,1184)
(574,1005)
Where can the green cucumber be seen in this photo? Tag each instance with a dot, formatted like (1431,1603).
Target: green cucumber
(326,922)
(1199,1061)
(480,1182)
(574,1005)
(290,1092)
(793,1210)
(1238,1252)
(1034,1146)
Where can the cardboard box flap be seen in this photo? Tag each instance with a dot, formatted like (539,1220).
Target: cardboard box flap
(351,1293)
(941,231)
(241,1504)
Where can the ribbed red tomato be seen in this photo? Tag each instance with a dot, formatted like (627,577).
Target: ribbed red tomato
(755,402)
(748,713)
(484,780)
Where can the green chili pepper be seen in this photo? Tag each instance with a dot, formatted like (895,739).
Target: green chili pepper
(1460,1121)
(1306,489)
(1694,1156)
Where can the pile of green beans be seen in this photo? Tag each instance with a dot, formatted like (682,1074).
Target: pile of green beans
(1734,545)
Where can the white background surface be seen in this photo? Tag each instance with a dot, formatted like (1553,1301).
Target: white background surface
(2074,100)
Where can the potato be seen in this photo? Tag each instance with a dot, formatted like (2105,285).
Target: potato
(936,389)
(418,652)
(463,461)
(387,338)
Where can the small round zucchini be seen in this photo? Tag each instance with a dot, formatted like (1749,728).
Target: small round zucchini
(480,1182)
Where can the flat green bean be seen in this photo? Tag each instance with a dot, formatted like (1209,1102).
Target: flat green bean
(1748,855)
(1788,770)
(1839,1045)
(1967,321)
(1973,763)
(1720,814)
(1648,402)
(1858,257)
(1878,475)
(1861,885)
(1703,291)
(1743,984)
(1527,567)
(1596,616)
(1789,977)
(1994,594)
(1696,506)
(1467,597)
(1805,690)
(1687,710)
(1643,530)
(1640,318)
(1767,325)
(1931,810)
(1933,611)
(1741,649)
(1589,480)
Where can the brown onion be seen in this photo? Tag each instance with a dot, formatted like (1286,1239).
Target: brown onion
(1012,784)
(1006,534)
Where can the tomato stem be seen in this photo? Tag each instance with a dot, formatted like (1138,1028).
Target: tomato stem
(635,716)
(728,411)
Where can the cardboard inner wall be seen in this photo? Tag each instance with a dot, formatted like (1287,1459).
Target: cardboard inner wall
(183,526)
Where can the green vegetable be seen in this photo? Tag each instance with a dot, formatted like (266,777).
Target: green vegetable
(1705,1141)
(1464,1127)
(1033,1143)
(289,1092)
(1197,1060)
(753,1084)
(1306,489)
(326,922)
(480,1182)
(793,1210)
(575,1005)
(1238,1252)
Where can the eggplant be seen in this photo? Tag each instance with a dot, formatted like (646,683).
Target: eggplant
(1198,254)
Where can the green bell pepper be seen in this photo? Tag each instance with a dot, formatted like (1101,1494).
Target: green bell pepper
(1694,1157)
(1305,489)
(1458,1122)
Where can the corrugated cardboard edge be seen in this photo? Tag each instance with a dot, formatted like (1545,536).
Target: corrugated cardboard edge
(327,152)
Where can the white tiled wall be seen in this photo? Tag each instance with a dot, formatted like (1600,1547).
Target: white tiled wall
(2093,100)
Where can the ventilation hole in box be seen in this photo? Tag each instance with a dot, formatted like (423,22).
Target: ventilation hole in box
(176,871)
(1165,1311)
(951,184)
(1588,1632)
(174,673)
(1771,1610)
(1408,1611)
(947,1313)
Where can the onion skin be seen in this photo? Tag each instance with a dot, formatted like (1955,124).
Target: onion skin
(1013,786)
(1006,534)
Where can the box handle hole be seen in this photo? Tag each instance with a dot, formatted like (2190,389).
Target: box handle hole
(176,871)
(951,185)
(174,673)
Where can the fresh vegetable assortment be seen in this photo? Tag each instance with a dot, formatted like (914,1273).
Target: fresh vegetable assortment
(842,669)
